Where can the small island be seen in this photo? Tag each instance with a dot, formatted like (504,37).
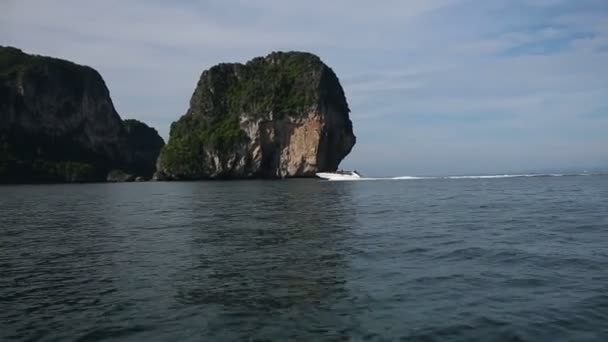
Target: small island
(283,115)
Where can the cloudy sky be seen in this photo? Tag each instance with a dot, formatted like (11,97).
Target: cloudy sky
(435,86)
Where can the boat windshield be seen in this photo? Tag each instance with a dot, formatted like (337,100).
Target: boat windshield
(349,173)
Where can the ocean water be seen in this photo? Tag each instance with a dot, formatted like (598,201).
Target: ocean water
(482,259)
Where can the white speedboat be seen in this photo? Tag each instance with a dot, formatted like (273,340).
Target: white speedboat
(339,175)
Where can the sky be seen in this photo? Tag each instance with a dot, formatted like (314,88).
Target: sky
(435,87)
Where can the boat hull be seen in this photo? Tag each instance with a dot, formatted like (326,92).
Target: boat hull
(337,177)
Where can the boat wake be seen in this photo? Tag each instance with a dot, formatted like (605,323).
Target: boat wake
(467,177)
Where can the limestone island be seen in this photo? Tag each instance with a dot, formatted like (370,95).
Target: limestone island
(58,124)
(280,116)
(283,115)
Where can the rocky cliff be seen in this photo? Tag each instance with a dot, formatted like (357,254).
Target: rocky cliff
(58,123)
(283,115)
(145,145)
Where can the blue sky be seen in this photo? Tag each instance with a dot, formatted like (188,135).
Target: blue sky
(435,86)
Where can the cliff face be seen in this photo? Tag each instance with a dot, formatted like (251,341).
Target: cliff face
(57,122)
(145,145)
(283,115)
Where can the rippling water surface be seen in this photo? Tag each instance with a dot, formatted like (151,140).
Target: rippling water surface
(514,259)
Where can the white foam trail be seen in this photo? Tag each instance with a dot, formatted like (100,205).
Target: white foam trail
(411,177)
(379,178)
(507,176)
(465,177)
(483,177)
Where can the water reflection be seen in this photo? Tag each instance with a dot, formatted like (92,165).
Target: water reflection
(247,258)
(64,258)
(304,260)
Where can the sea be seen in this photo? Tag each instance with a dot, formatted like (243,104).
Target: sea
(487,258)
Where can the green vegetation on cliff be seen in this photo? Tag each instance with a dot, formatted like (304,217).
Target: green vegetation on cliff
(38,97)
(18,169)
(29,158)
(17,67)
(280,85)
